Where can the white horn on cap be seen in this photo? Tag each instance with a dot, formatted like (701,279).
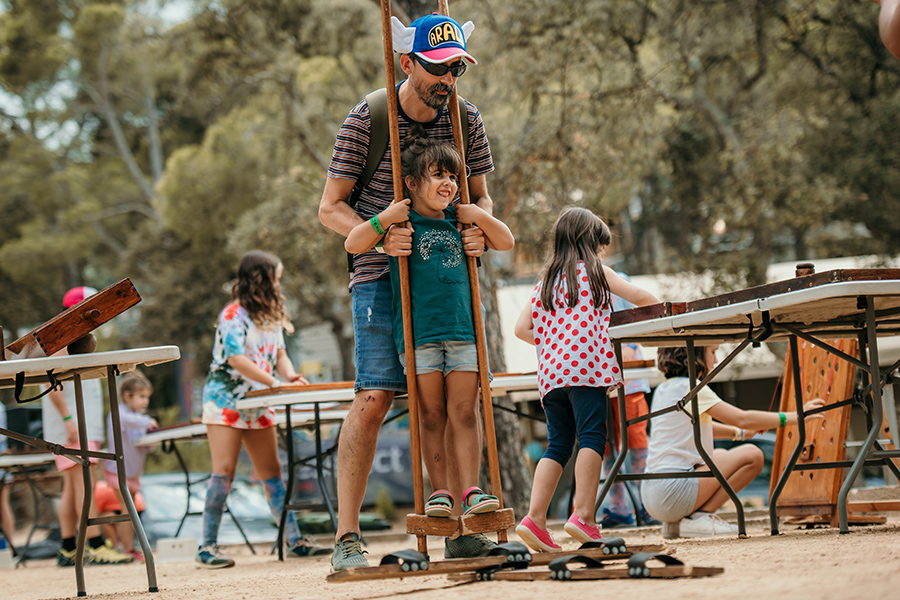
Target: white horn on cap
(468,27)
(402,36)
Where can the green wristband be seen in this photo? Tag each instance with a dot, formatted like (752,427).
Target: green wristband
(376,225)
(782,419)
(67,418)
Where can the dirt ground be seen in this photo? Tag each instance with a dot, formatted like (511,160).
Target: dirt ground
(800,564)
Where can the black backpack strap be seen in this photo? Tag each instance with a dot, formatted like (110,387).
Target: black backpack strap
(379,138)
(464,124)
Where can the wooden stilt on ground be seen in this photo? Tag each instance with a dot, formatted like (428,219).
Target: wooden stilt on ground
(408,341)
(503,518)
(418,524)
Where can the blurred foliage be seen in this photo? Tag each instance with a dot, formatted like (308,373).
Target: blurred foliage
(713,135)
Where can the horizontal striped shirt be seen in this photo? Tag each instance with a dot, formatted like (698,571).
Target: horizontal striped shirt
(349,159)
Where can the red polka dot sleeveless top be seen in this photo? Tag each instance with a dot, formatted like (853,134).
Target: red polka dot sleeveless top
(573,346)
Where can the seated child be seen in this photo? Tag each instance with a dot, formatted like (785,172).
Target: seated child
(687,506)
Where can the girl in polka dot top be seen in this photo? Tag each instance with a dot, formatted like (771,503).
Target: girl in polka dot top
(567,321)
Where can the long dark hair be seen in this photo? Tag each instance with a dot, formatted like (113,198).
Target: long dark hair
(258,290)
(578,235)
(421,153)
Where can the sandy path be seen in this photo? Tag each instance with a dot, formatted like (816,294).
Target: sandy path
(816,564)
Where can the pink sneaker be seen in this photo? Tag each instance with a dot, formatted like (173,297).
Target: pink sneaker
(538,539)
(581,531)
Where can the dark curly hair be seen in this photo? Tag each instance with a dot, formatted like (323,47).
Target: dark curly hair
(673,362)
(258,290)
(422,153)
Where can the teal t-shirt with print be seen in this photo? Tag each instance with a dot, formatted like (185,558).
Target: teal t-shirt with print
(439,284)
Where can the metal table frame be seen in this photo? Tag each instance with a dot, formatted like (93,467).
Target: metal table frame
(315,398)
(864,308)
(53,371)
(23,464)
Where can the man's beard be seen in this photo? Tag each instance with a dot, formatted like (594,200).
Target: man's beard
(430,95)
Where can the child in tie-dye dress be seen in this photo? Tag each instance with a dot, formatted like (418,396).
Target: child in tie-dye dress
(248,352)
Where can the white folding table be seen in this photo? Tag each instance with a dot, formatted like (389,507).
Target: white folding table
(55,370)
(844,303)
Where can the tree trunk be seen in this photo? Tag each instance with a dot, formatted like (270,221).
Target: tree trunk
(345,346)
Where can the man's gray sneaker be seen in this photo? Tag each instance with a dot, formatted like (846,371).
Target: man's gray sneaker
(348,553)
(468,546)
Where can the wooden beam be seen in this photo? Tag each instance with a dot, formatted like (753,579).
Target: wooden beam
(874,506)
(75,322)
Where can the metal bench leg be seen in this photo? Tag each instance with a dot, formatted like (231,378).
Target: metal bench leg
(877,416)
(801,437)
(149,562)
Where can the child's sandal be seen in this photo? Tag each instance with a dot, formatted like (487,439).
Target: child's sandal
(476,502)
(439,504)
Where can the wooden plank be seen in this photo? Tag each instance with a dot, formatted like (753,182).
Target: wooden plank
(638,364)
(421,525)
(591,574)
(826,376)
(178,425)
(443,567)
(874,506)
(499,520)
(646,313)
(293,389)
(544,558)
(75,322)
(796,283)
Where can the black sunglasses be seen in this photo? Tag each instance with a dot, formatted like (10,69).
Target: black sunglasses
(440,69)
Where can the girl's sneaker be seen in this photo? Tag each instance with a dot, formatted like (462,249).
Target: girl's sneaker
(539,540)
(612,520)
(135,554)
(210,557)
(705,525)
(476,502)
(578,529)
(439,504)
(305,547)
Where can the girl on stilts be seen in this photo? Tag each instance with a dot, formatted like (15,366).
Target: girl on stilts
(446,358)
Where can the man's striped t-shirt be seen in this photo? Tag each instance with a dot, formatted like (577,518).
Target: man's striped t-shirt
(349,158)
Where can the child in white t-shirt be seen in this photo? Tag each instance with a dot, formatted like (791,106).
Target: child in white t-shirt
(691,503)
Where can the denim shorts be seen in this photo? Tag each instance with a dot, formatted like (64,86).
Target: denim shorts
(445,357)
(377,364)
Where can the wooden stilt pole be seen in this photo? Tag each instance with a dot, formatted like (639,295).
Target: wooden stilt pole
(478,318)
(408,341)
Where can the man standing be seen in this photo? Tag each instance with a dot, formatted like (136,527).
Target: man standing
(433,57)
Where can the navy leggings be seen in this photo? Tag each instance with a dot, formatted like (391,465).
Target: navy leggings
(574,413)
